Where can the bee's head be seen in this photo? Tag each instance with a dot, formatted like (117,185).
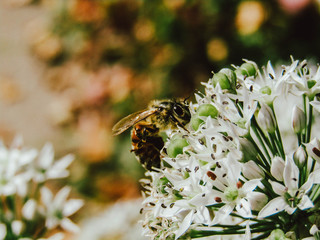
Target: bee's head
(177,111)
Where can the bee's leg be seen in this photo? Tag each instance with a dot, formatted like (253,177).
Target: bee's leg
(173,119)
(145,130)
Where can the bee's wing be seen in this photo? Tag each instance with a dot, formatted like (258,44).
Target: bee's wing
(130,120)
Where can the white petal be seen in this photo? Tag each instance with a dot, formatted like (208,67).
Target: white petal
(3,231)
(274,206)
(257,200)
(290,210)
(17,227)
(315,177)
(234,168)
(17,142)
(305,203)
(58,170)
(314,229)
(278,188)
(28,156)
(222,213)
(62,196)
(57,236)
(51,222)
(270,69)
(244,208)
(68,225)
(250,185)
(277,167)
(251,170)
(185,224)
(71,206)
(247,235)
(46,196)
(291,174)
(316,105)
(312,148)
(29,209)
(46,156)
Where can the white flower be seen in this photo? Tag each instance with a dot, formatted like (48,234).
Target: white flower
(248,162)
(232,192)
(46,168)
(13,173)
(57,209)
(291,196)
(305,82)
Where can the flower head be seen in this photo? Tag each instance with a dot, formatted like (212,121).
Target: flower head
(246,164)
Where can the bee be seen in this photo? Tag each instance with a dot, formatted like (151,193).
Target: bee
(147,126)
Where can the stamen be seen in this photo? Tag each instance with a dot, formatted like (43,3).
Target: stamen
(211,175)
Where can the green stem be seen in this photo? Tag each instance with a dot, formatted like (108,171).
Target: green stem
(258,131)
(300,138)
(278,135)
(306,117)
(264,162)
(309,124)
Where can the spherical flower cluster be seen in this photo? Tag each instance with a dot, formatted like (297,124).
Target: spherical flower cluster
(28,208)
(247,164)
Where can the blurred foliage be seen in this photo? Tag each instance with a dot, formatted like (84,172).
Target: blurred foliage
(108,58)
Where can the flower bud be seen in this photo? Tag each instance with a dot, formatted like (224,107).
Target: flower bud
(176,145)
(247,69)
(195,122)
(248,150)
(298,119)
(277,234)
(207,110)
(252,171)
(266,119)
(277,167)
(231,76)
(204,110)
(222,79)
(300,157)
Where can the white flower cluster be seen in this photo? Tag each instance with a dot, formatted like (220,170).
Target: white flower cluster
(28,209)
(247,164)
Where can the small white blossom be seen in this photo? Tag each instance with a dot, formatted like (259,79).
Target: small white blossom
(291,195)
(48,168)
(57,208)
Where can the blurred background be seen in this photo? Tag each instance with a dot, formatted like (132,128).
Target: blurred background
(69,69)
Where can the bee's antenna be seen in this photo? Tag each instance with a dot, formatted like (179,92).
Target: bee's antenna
(185,100)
